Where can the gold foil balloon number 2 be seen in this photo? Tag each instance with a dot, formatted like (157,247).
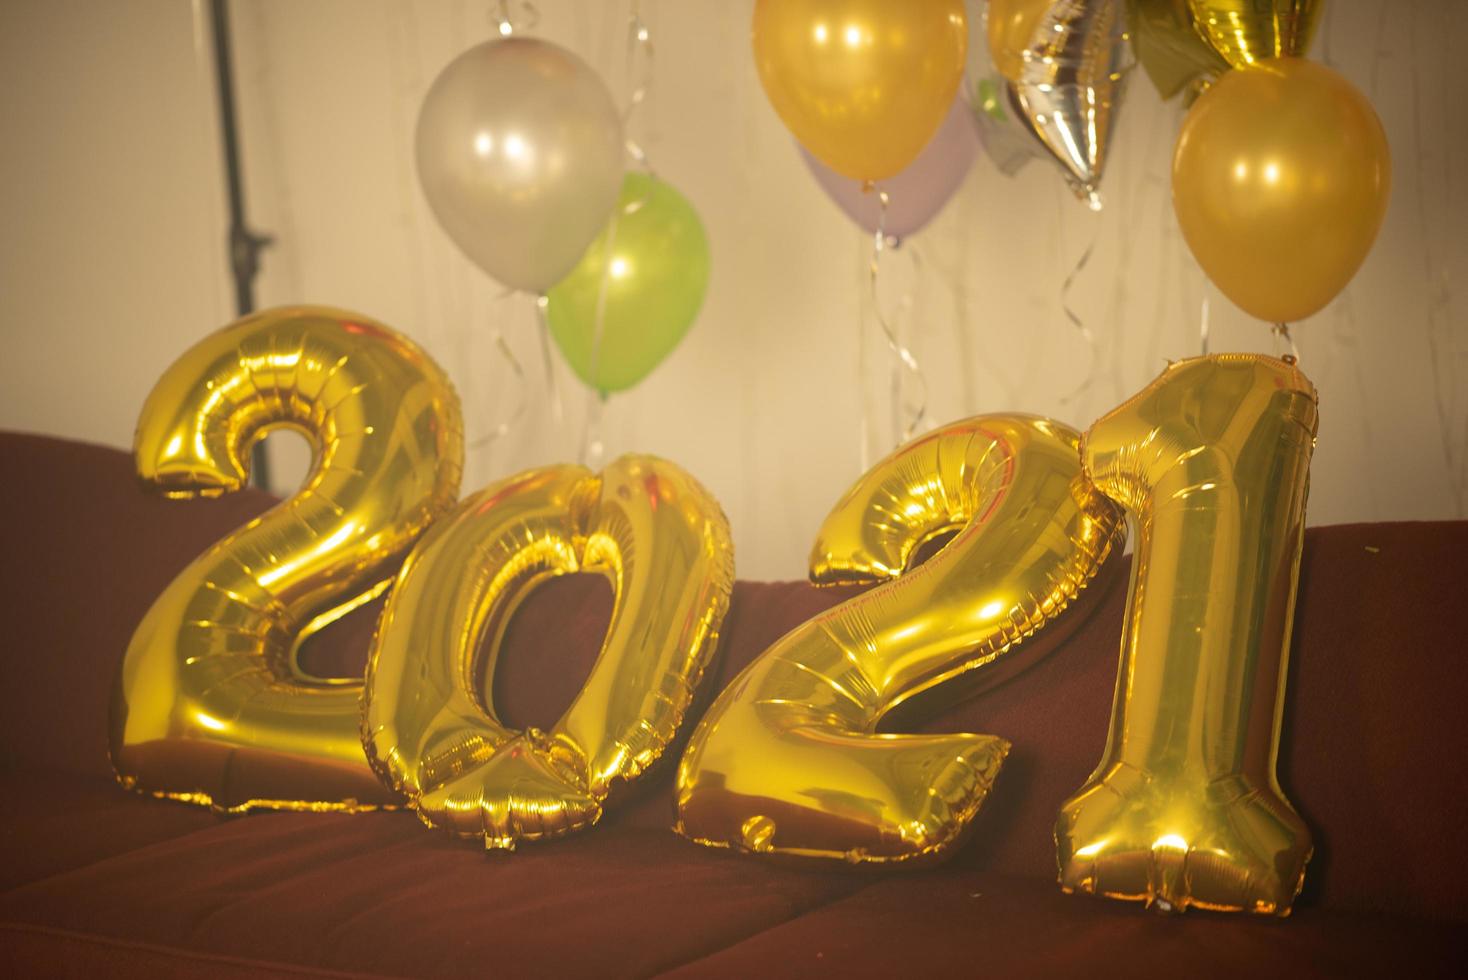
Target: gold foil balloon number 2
(788,760)
(210,706)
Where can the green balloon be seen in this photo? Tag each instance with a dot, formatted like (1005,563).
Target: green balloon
(655,274)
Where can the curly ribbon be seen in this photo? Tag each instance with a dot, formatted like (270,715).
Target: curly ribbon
(639,42)
(506,22)
(1075,318)
(503,427)
(592,445)
(917,409)
(547,360)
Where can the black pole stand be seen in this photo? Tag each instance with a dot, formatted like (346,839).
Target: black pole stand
(245,245)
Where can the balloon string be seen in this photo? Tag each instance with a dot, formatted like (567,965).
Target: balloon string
(1076,321)
(505,21)
(592,445)
(639,48)
(505,425)
(552,390)
(1281,332)
(1203,324)
(591,441)
(919,406)
(639,42)
(521,401)
(865,429)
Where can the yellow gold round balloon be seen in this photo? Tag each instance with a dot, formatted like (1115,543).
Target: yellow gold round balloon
(1212,459)
(430,725)
(1280,181)
(862,84)
(210,705)
(788,762)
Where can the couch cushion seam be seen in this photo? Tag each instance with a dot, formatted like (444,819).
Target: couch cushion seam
(723,947)
(175,952)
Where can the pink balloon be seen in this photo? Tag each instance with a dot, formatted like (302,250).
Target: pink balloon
(919,192)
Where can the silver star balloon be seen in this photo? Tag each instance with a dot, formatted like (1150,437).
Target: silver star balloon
(1071,85)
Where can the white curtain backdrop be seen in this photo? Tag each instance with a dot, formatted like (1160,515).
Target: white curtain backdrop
(763,401)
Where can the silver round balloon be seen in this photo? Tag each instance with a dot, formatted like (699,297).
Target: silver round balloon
(519,150)
(1070,86)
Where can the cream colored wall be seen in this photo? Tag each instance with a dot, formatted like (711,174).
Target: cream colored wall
(111,209)
(762,400)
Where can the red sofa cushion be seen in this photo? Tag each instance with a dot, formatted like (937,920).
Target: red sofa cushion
(96,878)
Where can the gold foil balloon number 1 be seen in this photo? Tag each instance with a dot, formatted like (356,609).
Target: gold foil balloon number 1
(209,705)
(1212,460)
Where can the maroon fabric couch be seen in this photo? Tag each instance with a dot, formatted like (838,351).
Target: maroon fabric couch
(97,881)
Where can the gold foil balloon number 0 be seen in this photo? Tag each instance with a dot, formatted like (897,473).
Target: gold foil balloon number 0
(788,760)
(431,728)
(210,706)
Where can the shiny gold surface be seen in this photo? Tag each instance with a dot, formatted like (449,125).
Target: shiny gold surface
(1212,460)
(210,706)
(1247,31)
(862,84)
(1280,181)
(786,761)
(1012,26)
(1172,53)
(430,726)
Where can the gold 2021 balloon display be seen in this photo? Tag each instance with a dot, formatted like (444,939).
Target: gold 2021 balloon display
(209,705)
(430,725)
(1212,460)
(788,761)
